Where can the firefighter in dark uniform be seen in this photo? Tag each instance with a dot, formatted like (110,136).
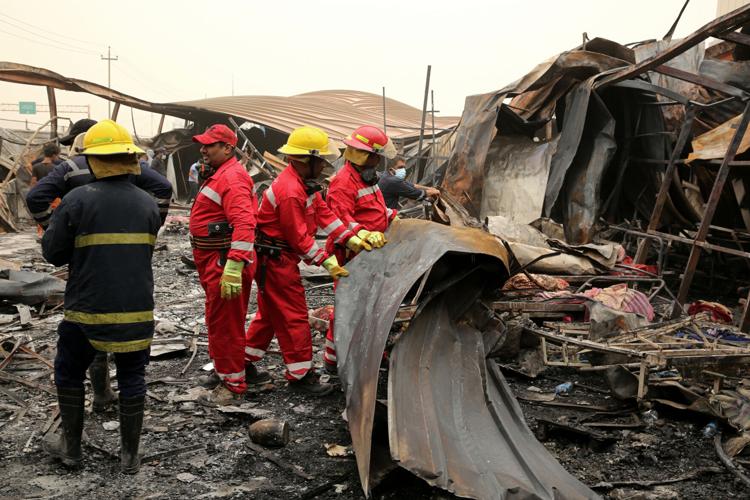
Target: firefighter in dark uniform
(66,176)
(105,231)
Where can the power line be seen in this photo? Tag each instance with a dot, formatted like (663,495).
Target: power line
(88,42)
(45,43)
(153,80)
(41,36)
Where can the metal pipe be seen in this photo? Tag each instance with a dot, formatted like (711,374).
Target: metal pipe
(420,163)
(385,127)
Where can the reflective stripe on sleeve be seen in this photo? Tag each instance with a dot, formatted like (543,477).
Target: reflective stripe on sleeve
(87,240)
(368,190)
(332,227)
(211,195)
(270,196)
(76,173)
(241,245)
(314,249)
(41,215)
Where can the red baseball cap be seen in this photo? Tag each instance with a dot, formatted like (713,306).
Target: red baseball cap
(216,133)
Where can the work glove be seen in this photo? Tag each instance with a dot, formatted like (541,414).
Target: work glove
(356,244)
(374,238)
(334,269)
(231,279)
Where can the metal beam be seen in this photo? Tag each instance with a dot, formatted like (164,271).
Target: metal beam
(718,26)
(736,37)
(713,201)
(52,112)
(115,112)
(661,197)
(701,80)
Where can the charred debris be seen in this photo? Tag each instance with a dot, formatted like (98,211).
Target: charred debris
(571,324)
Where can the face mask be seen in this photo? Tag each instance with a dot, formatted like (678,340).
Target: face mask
(312,187)
(400,173)
(369,175)
(205,171)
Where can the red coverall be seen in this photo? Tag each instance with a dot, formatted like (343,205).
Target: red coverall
(288,214)
(359,206)
(226,196)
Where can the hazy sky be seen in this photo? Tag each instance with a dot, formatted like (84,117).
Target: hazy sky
(172,51)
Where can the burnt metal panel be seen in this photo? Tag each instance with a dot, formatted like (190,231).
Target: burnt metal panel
(454,421)
(366,304)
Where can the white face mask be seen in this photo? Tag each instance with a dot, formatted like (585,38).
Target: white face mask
(400,173)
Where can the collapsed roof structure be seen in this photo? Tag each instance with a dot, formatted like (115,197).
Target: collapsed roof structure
(601,134)
(265,120)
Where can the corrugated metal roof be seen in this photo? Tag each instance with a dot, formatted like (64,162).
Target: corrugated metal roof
(338,112)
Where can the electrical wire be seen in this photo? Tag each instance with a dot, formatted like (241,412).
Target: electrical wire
(45,43)
(87,42)
(43,36)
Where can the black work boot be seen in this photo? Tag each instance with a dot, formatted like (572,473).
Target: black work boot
(311,384)
(99,375)
(253,376)
(66,445)
(131,421)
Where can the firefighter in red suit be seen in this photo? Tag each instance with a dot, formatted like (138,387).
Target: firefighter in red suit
(354,196)
(222,234)
(291,212)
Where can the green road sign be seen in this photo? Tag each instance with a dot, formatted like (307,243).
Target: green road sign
(27,107)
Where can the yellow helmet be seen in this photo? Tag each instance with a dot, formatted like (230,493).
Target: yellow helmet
(108,138)
(306,141)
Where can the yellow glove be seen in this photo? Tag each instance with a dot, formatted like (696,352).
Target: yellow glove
(357,244)
(334,269)
(374,238)
(231,279)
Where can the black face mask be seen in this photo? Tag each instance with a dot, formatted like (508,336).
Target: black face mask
(369,176)
(205,171)
(311,186)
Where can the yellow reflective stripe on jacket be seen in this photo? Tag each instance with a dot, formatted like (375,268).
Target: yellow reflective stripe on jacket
(125,346)
(118,318)
(87,240)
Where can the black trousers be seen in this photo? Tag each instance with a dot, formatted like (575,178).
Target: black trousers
(75,354)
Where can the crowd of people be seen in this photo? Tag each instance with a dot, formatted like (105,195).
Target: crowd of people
(101,210)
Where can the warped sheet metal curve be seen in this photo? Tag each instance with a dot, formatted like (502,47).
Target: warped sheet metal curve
(467,433)
(367,302)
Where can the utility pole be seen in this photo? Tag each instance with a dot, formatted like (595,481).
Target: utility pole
(109,60)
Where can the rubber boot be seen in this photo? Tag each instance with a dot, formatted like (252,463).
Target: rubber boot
(66,445)
(253,376)
(99,375)
(131,421)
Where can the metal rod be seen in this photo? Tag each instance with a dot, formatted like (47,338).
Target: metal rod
(420,163)
(661,198)
(432,113)
(713,201)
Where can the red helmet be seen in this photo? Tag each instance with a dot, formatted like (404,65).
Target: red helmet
(368,138)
